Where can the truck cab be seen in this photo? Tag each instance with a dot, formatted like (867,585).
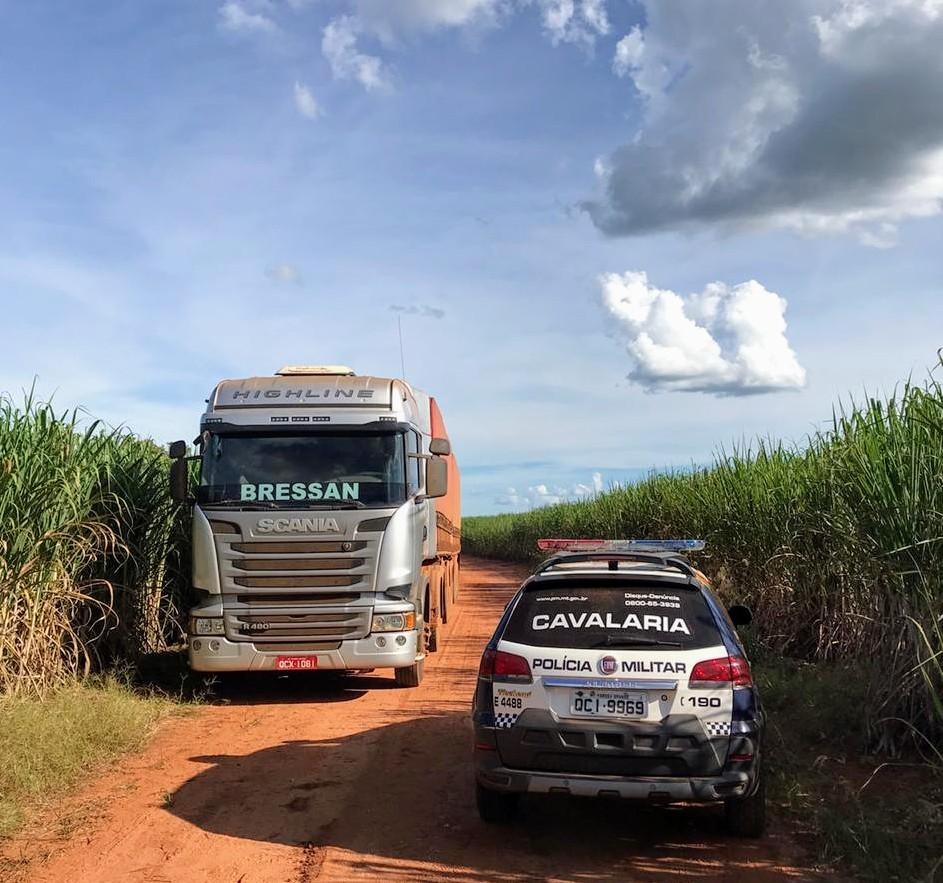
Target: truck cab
(326,525)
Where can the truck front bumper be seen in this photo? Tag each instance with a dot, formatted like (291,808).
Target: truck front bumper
(218,654)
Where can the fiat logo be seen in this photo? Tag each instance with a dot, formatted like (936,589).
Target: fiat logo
(608,665)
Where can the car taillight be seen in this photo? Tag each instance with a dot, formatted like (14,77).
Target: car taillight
(733,670)
(501,666)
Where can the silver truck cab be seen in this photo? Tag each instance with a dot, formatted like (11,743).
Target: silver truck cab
(314,524)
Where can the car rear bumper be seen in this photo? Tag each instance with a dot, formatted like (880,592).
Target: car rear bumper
(654,790)
(217,654)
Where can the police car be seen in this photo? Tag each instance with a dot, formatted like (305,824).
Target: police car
(616,672)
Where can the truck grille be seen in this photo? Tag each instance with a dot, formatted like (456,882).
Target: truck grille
(320,626)
(298,563)
(296,591)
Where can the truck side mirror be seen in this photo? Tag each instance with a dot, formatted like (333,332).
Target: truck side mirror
(441,446)
(178,449)
(740,614)
(437,477)
(179,480)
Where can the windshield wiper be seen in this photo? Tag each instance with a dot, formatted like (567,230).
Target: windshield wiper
(616,641)
(241,504)
(340,504)
(256,504)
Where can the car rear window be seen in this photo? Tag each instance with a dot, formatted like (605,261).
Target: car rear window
(583,616)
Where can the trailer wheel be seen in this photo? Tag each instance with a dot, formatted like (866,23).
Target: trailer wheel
(443,603)
(456,581)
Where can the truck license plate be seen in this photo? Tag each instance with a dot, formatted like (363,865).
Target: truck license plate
(296,663)
(607,703)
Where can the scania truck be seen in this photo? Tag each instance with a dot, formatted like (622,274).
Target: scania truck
(326,525)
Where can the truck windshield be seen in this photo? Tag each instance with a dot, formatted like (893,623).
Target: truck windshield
(304,471)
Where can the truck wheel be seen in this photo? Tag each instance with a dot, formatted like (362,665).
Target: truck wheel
(430,629)
(495,807)
(443,603)
(411,676)
(456,569)
(746,816)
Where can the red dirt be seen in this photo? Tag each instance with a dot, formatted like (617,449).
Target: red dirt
(297,779)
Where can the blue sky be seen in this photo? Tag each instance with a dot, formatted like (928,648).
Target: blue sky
(201,189)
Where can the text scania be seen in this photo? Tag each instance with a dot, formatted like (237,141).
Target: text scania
(297,525)
(644,623)
(316,490)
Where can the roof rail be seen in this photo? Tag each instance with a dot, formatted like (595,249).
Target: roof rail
(662,559)
(635,545)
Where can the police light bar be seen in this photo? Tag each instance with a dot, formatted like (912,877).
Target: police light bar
(582,545)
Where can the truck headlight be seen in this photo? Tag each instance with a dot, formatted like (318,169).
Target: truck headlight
(204,625)
(393,622)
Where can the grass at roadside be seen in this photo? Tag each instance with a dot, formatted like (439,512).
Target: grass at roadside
(880,818)
(48,745)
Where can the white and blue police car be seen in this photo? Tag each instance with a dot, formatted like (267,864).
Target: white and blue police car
(616,672)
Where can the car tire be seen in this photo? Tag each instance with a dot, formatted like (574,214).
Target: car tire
(411,675)
(495,807)
(746,816)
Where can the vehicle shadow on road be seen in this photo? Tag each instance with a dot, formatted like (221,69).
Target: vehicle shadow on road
(266,688)
(396,802)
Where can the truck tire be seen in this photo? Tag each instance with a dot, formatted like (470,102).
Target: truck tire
(495,807)
(443,602)
(411,676)
(746,816)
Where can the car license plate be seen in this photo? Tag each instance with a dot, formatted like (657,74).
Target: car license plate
(607,703)
(296,663)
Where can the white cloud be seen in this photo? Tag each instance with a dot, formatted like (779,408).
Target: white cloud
(388,19)
(726,341)
(286,274)
(540,495)
(339,45)
(629,52)
(823,116)
(574,21)
(238,16)
(305,102)
(419,310)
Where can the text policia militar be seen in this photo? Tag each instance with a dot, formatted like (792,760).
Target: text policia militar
(633,666)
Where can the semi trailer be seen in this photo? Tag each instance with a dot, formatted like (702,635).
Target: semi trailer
(326,529)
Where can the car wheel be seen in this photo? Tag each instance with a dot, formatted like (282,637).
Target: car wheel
(495,807)
(746,816)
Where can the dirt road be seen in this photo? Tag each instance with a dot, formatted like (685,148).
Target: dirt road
(300,779)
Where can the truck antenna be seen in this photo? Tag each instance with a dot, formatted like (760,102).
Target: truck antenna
(402,358)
